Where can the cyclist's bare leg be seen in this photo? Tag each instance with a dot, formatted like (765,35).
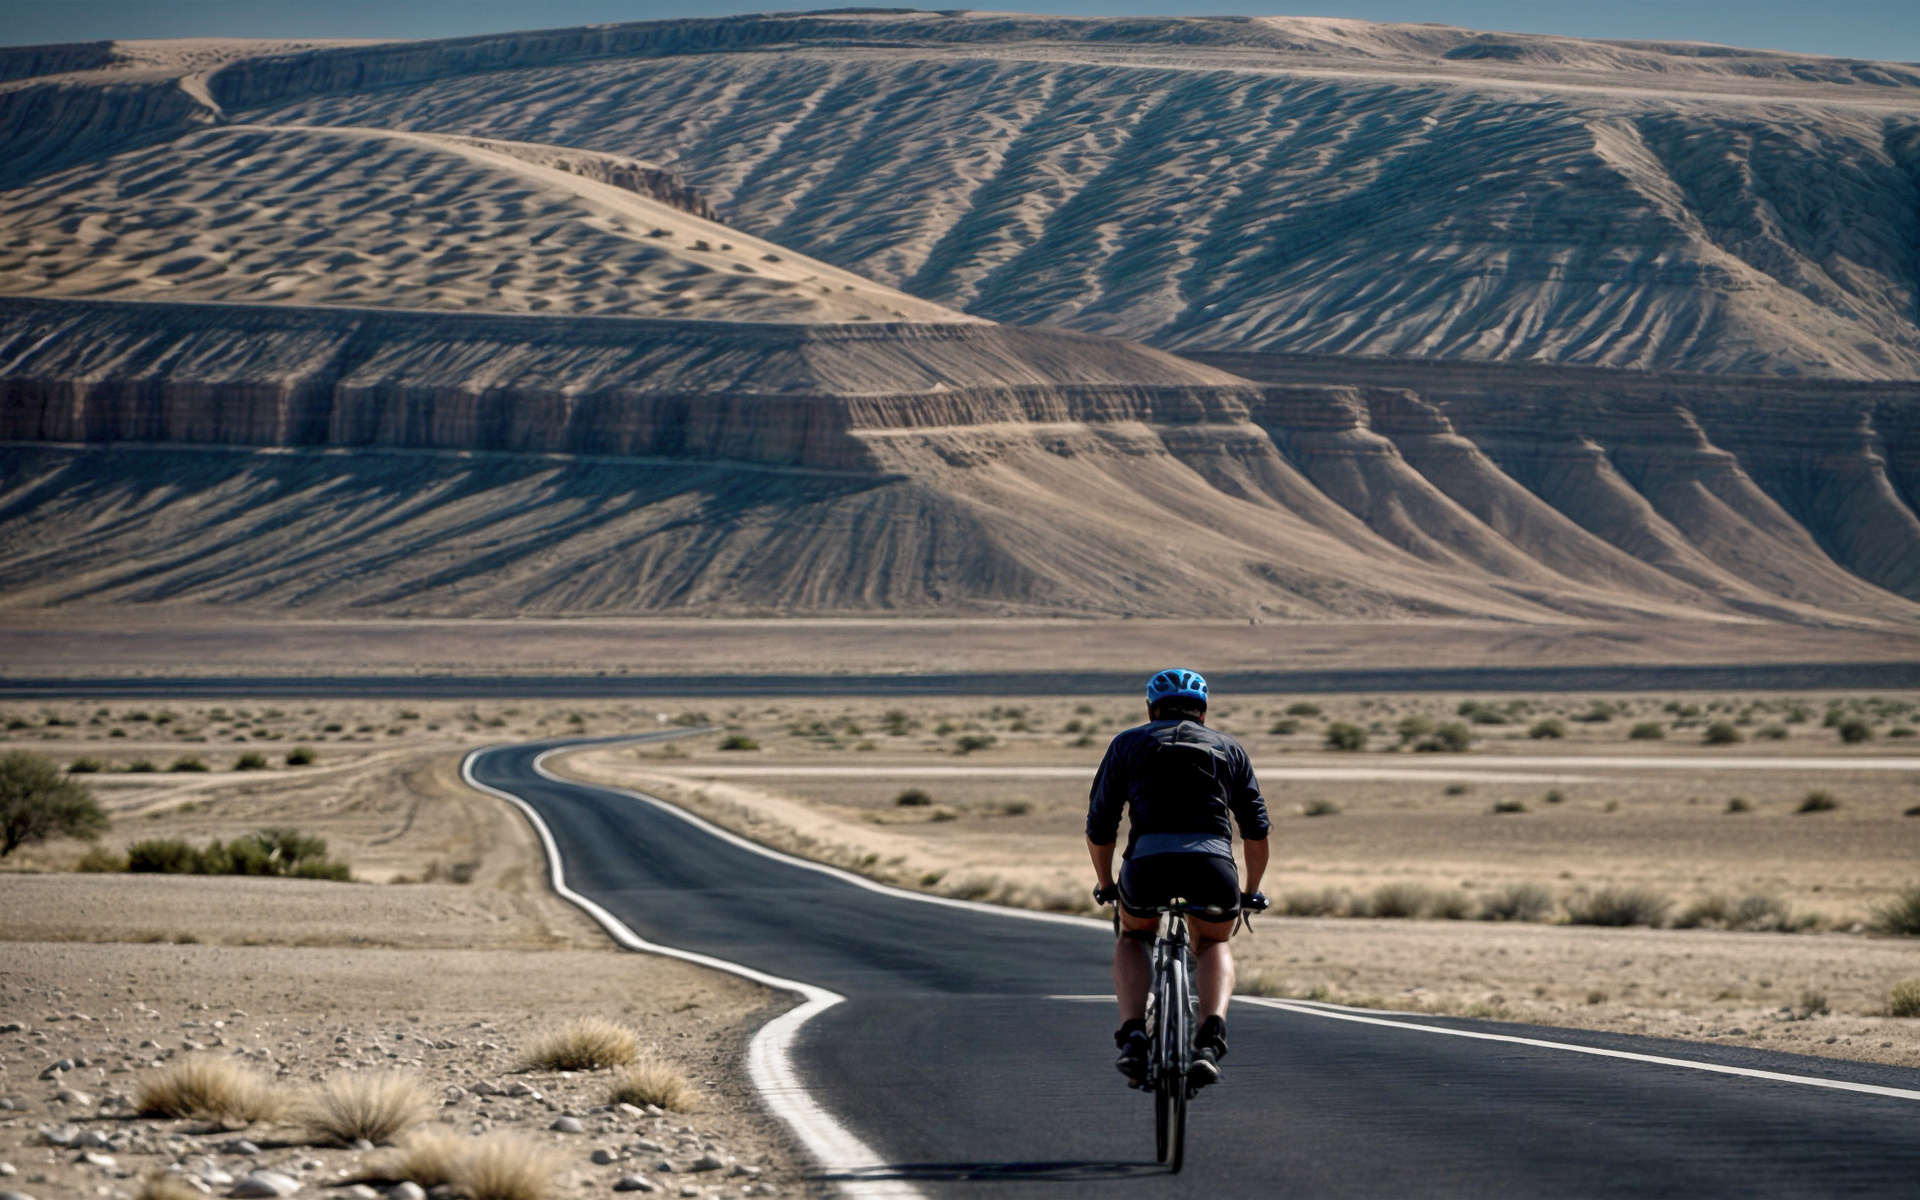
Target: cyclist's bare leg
(1133,964)
(1214,959)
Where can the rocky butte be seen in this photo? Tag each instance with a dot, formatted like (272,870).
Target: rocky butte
(962,314)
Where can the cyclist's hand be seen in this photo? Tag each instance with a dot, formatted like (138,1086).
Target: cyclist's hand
(1107,894)
(1253,901)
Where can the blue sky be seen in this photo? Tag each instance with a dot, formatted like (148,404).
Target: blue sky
(1884,29)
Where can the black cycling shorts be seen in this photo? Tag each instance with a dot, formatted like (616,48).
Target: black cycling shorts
(1204,879)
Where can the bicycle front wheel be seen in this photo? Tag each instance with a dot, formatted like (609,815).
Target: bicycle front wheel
(1173,1081)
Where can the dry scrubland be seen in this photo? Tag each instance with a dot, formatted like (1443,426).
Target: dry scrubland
(1761,914)
(300,981)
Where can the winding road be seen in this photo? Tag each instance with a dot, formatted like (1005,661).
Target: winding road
(948,1049)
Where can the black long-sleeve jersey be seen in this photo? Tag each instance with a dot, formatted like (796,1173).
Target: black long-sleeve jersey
(1184,787)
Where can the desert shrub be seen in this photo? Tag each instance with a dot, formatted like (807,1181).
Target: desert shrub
(1771,733)
(1904,999)
(141,766)
(1450,738)
(1618,906)
(1739,804)
(1303,708)
(1284,726)
(1393,901)
(207,1088)
(1327,902)
(1320,808)
(85,766)
(1721,733)
(503,1166)
(1413,727)
(1260,981)
(1812,1003)
(584,1044)
(99,860)
(1552,727)
(1754,913)
(1599,713)
(1853,731)
(1480,713)
(1554,796)
(899,723)
(1647,731)
(300,756)
(186,762)
(653,1081)
(1706,911)
(1901,731)
(1518,902)
(1343,735)
(37,802)
(1911,812)
(738,741)
(1900,915)
(1457,789)
(691,719)
(967,743)
(1451,904)
(1818,801)
(1509,806)
(375,1105)
(161,856)
(913,798)
(252,760)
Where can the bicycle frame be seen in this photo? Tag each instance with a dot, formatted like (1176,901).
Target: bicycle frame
(1171,1006)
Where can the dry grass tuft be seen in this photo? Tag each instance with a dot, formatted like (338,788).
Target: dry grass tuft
(374,1106)
(652,1081)
(207,1088)
(1904,999)
(168,1185)
(428,1157)
(506,1167)
(585,1044)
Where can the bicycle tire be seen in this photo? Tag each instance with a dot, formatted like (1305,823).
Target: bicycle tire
(1174,1084)
(1160,1064)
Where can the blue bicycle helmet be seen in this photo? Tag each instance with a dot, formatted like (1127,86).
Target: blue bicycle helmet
(1176,681)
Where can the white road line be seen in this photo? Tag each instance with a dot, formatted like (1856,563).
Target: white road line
(769,1056)
(1333,1012)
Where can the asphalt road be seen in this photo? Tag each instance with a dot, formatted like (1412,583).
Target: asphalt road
(958,1058)
(604,686)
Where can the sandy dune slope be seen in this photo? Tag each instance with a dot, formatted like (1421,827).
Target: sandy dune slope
(1321,186)
(351,216)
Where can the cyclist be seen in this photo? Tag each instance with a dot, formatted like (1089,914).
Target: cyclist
(1183,787)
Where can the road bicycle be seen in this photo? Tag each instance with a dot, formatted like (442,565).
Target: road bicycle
(1171,1008)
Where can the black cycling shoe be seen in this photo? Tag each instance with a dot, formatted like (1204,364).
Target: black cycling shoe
(1135,1051)
(1209,1047)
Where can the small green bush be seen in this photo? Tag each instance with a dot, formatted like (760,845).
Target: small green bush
(141,766)
(252,760)
(1618,906)
(969,742)
(1451,738)
(1343,735)
(1552,727)
(101,861)
(1904,999)
(1509,806)
(1320,808)
(1480,713)
(1303,708)
(1901,915)
(1284,726)
(162,856)
(1395,901)
(1554,796)
(1854,731)
(1818,801)
(85,766)
(1771,733)
(1600,713)
(738,741)
(1911,812)
(300,756)
(1722,733)
(899,723)
(187,763)
(279,851)
(1739,804)
(691,719)
(913,798)
(1901,731)
(1412,728)
(1647,731)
